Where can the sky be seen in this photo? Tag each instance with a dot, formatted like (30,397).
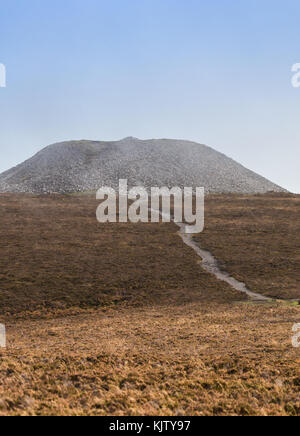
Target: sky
(216,72)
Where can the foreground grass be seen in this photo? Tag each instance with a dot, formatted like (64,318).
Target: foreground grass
(194,360)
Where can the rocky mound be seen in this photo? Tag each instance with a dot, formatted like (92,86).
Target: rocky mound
(78,166)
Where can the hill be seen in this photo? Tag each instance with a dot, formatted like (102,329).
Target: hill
(79,166)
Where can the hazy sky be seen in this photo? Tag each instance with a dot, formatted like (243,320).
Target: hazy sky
(217,72)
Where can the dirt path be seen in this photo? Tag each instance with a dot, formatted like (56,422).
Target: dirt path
(210,264)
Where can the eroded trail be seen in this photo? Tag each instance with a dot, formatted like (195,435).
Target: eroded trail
(210,264)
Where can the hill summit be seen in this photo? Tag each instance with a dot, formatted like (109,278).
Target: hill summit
(78,166)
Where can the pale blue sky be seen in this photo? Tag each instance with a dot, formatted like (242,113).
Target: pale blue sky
(217,72)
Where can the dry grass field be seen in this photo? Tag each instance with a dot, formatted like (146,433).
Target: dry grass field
(257,239)
(120,319)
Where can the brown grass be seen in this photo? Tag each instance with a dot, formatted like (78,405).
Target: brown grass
(257,240)
(197,359)
(55,255)
(122,320)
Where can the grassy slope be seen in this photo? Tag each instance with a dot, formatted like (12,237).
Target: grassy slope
(257,239)
(55,255)
(123,321)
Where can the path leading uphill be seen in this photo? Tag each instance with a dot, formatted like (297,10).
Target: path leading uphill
(210,264)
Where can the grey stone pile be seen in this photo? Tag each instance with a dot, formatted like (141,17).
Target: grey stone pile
(79,166)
